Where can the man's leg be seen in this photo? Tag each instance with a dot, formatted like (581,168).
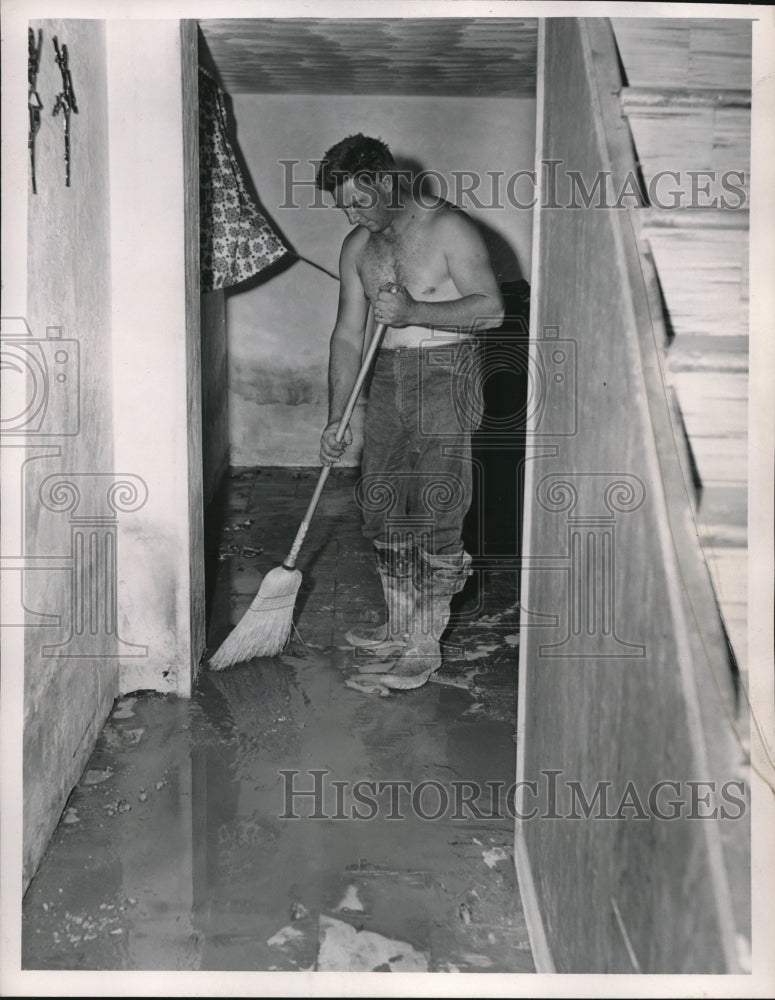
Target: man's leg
(381,493)
(448,403)
(395,565)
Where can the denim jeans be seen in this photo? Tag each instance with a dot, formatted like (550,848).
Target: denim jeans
(416,481)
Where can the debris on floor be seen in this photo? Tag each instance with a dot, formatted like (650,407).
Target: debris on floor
(280,820)
(343,949)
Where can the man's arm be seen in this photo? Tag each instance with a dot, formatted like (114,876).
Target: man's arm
(480,306)
(346,347)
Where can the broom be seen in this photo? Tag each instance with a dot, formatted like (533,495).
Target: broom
(266,625)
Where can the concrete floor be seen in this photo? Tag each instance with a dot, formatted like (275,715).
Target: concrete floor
(178,848)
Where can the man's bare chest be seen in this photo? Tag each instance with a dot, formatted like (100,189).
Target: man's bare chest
(411,260)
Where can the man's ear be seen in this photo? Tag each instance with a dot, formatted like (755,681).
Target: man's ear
(386,182)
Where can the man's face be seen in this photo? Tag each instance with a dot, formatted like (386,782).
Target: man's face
(365,203)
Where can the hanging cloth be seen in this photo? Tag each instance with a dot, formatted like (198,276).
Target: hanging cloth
(236,241)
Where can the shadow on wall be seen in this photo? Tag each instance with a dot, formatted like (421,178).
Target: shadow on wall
(504,260)
(494,522)
(502,256)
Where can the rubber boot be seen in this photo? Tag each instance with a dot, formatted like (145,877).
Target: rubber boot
(437,580)
(395,566)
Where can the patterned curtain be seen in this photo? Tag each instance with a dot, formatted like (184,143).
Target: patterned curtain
(236,241)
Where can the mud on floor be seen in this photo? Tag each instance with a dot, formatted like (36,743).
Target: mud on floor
(280,820)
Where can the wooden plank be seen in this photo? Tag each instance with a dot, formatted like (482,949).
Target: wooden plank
(698,631)
(724,535)
(703,276)
(714,405)
(685,453)
(642,40)
(691,52)
(720,462)
(729,570)
(712,141)
(704,352)
(724,503)
(647,697)
(643,98)
(722,395)
(532,905)
(720,51)
(691,220)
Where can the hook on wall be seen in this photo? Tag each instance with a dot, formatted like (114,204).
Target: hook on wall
(65,100)
(34,103)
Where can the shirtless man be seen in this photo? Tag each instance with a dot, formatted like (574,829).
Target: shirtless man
(424,271)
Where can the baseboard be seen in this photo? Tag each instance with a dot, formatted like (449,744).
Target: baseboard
(539,945)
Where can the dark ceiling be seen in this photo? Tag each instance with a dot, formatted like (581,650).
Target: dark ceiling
(485,57)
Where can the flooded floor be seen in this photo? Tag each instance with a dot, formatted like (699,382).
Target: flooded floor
(282,820)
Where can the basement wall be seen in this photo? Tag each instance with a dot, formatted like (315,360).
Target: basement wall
(69,459)
(154,136)
(109,551)
(279,329)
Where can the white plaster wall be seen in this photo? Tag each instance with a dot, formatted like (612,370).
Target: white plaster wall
(155,318)
(278,331)
(66,697)
(105,261)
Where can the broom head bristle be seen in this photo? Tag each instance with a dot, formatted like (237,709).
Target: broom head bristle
(265,627)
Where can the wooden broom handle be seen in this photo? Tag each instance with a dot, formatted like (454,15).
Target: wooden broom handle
(290,560)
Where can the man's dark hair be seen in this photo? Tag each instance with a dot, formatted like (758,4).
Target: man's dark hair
(357,155)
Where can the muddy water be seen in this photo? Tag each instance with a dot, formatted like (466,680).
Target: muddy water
(183,847)
(179,848)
